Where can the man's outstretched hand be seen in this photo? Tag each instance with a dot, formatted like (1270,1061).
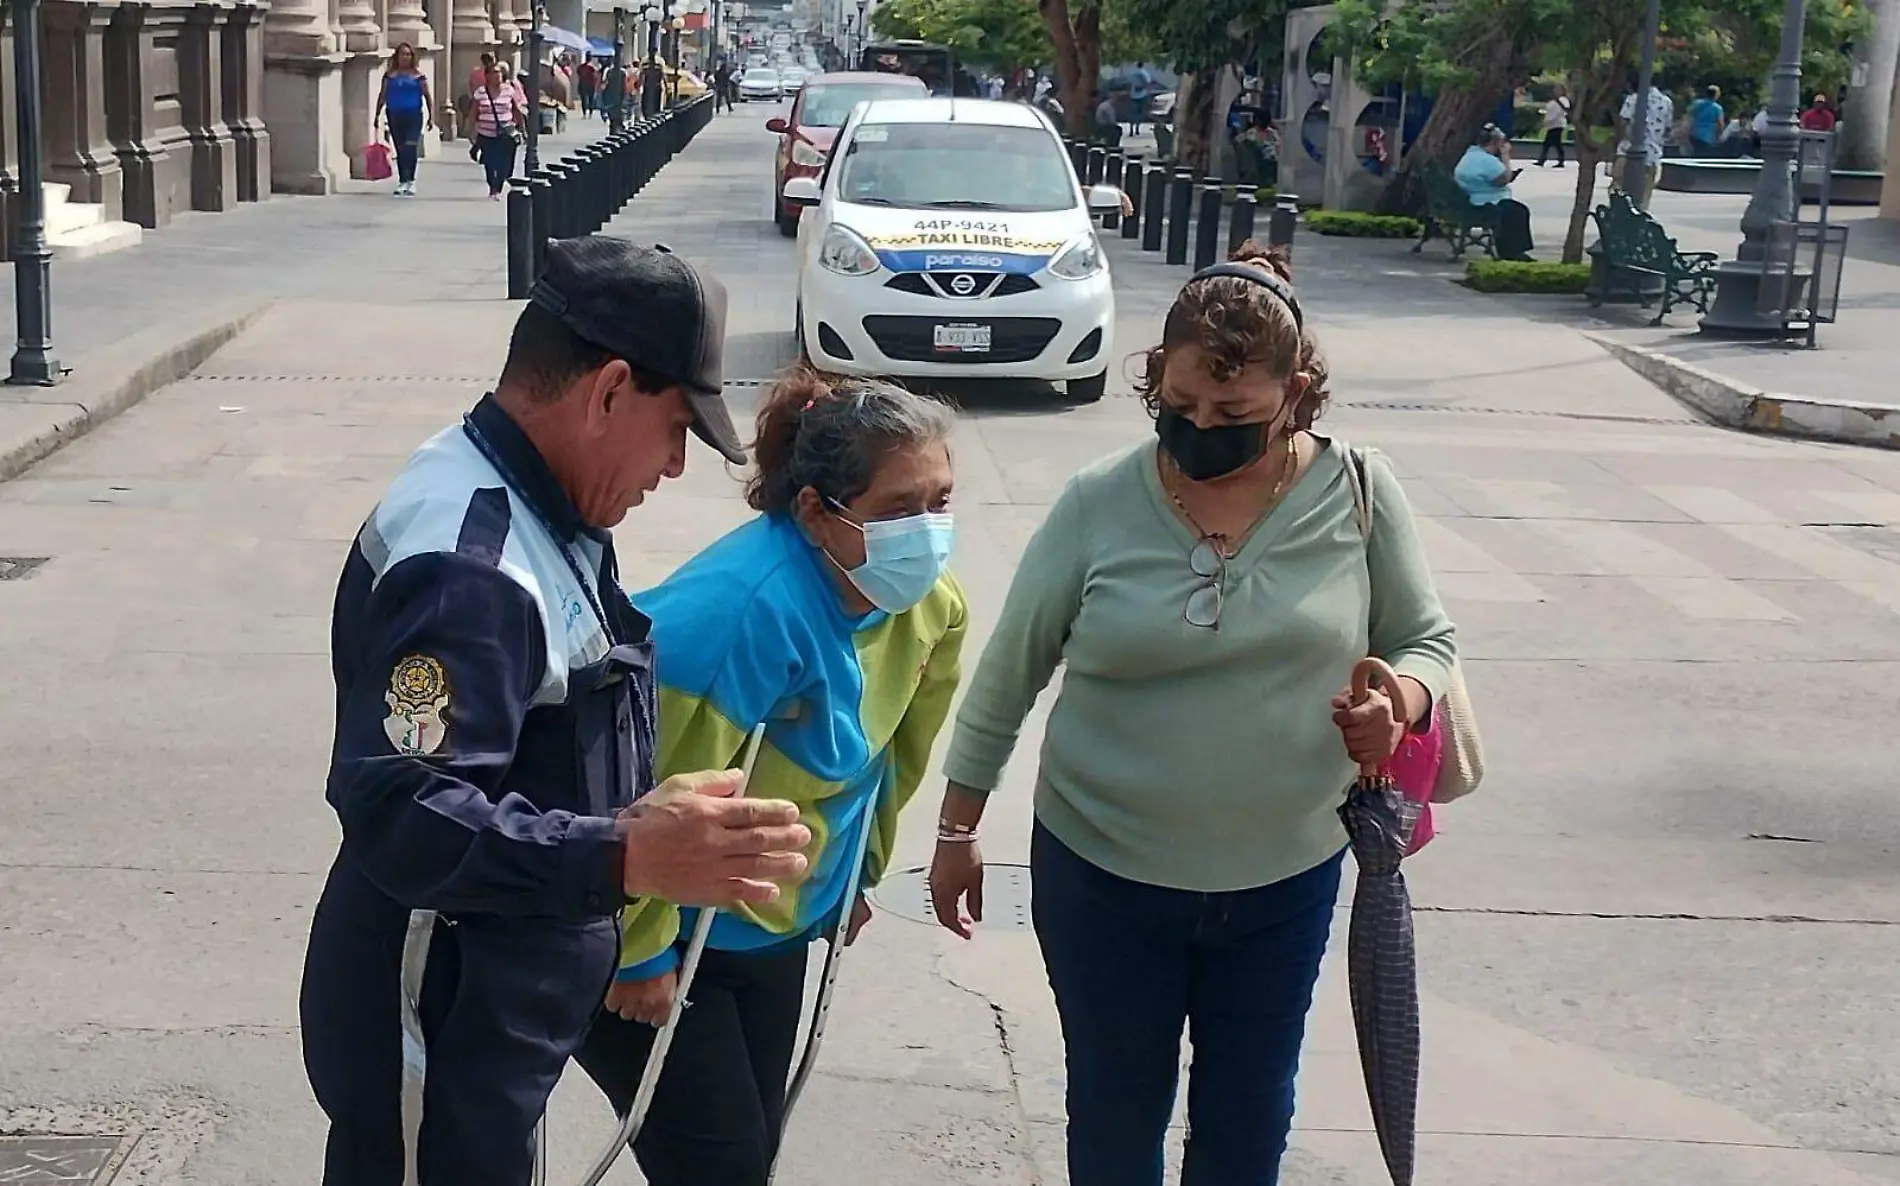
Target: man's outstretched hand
(692,843)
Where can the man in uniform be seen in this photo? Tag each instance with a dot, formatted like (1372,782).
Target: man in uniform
(494,727)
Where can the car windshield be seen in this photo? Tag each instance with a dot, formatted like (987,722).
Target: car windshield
(762,74)
(956,166)
(827,104)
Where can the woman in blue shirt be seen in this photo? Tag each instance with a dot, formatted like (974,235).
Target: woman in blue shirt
(1485,174)
(405,100)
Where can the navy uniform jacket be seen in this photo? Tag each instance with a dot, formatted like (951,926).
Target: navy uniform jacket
(494,690)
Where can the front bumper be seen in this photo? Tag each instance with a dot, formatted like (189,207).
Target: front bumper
(858,325)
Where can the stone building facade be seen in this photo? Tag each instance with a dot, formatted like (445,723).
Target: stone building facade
(155,107)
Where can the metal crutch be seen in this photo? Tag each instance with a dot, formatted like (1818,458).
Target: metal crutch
(636,1116)
(828,979)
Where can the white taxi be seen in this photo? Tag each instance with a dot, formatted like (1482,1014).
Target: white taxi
(950,238)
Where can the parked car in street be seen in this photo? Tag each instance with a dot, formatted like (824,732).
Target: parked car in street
(760,84)
(950,238)
(806,136)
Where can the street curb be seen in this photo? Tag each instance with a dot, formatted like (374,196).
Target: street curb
(1735,405)
(106,382)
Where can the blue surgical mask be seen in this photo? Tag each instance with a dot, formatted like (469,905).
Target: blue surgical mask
(902,558)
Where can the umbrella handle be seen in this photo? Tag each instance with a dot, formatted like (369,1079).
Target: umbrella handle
(1365,674)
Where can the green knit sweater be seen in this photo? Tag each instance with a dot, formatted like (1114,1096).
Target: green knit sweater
(1179,756)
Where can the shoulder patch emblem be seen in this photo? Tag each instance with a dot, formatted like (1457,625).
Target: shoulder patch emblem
(418,699)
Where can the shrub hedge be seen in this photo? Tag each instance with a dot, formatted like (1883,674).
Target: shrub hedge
(1353,224)
(1505,275)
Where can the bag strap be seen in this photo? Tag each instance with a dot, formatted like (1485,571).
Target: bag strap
(1361,488)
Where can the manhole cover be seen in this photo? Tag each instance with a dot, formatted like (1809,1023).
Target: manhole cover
(45,1159)
(907,895)
(18,568)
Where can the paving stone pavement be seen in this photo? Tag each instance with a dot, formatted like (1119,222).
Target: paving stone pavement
(1657,946)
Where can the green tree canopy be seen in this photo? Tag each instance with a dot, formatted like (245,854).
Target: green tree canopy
(1004,35)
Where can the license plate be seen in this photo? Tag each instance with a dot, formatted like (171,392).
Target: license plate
(961,339)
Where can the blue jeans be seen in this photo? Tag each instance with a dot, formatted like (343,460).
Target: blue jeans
(1131,965)
(405,128)
(498,161)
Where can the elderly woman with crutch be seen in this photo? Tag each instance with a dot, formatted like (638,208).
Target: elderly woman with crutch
(830,624)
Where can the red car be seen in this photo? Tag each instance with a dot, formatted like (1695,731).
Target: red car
(820,109)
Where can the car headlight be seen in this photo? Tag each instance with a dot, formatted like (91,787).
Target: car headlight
(845,253)
(805,154)
(1079,260)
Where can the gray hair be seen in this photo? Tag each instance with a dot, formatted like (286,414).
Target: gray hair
(832,437)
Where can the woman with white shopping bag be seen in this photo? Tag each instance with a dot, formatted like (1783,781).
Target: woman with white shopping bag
(831,620)
(1207,593)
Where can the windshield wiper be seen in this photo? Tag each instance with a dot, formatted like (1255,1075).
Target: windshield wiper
(964,204)
(871,201)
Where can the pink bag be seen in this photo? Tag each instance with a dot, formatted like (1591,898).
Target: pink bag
(1415,769)
(377,163)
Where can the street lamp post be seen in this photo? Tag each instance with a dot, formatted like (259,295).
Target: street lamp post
(617,114)
(536,15)
(1736,311)
(864,30)
(33,361)
(1636,161)
(652,78)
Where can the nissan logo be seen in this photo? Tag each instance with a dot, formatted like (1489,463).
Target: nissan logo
(963,285)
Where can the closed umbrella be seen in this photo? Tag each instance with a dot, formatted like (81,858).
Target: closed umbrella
(1381,958)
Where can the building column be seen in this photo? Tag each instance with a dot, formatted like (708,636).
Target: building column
(303,98)
(9,140)
(243,84)
(78,152)
(471,34)
(201,101)
(152,148)
(363,65)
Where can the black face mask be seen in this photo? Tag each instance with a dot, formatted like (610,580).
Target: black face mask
(1208,453)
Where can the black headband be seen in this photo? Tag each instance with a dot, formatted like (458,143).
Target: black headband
(1261,276)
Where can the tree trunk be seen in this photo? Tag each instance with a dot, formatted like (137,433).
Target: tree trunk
(1078,60)
(1455,119)
(1589,159)
(1191,101)
(1870,106)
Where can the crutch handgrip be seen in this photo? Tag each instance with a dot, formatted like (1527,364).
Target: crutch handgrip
(631,1123)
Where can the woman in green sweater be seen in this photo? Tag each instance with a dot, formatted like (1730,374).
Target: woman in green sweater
(1207,594)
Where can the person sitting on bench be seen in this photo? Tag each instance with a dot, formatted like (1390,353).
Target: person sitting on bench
(1485,174)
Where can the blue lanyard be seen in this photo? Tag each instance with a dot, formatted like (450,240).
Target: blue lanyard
(573,564)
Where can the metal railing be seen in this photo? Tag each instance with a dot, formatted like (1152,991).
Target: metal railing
(584,190)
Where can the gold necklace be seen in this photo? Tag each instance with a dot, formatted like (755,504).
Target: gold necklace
(1220,539)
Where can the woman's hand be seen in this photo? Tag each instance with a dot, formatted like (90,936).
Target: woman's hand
(956,884)
(648,1001)
(1372,729)
(860,914)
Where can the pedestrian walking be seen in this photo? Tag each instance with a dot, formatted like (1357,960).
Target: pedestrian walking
(829,619)
(722,87)
(495,725)
(404,102)
(587,79)
(500,114)
(1213,587)
(1556,123)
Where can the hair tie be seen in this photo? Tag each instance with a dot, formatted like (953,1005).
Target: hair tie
(810,404)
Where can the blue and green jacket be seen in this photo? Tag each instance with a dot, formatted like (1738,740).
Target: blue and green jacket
(751,630)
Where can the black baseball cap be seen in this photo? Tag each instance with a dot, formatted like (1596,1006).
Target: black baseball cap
(653,310)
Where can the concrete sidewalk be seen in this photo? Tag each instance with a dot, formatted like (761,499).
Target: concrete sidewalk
(1657,946)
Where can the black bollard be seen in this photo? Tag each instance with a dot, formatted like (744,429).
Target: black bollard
(1240,223)
(1131,185)
(1097,165)
(1180,214)
(1154,207)
(1112,175)
(1079,157)
(520,239)
(1280,224)
(586,191)
(1207,226)
(561,196)
(541,194)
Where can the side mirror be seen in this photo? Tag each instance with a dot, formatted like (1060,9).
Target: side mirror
(777,125)
(1104,199)
(802,191)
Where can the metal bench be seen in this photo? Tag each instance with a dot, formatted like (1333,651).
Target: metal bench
(1450,215)
(1634,255)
